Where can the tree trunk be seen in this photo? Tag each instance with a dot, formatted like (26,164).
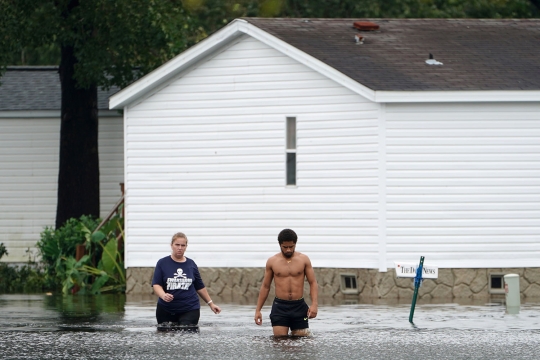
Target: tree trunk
(78,176)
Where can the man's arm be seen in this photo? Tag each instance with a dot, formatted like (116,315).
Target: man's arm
(313,290)
(263,293)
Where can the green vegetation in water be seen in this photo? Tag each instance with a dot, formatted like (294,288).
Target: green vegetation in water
(28,278)
(101,269)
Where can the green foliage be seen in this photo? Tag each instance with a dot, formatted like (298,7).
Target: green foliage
(410,8)
(54,244)
(28,278)
(48,54)
(3,250)
(114,42)
(100,270)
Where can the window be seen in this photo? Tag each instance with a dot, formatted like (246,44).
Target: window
(496,283)
(348,284)
(291,151)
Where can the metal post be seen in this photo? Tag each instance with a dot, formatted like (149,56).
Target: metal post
(417,282)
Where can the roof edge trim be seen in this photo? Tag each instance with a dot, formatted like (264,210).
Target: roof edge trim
(174,66)
(458,96)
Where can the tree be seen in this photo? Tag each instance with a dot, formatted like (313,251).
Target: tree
(102,43)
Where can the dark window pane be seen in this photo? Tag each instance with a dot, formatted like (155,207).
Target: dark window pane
(350,282)
(496,282)
(291,133)
(291,168)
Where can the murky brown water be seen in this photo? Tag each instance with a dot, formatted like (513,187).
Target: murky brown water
(109,327)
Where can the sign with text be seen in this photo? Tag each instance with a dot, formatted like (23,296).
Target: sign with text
(408,270)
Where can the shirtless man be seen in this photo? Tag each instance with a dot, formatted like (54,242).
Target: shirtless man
(288,269)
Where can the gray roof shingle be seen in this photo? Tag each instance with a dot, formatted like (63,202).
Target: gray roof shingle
(37,88)
(477,54)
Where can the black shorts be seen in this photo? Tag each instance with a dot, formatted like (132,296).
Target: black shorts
(289,313)
(185,318)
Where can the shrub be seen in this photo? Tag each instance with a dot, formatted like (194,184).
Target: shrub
(26,279)
(63,242)
(100,270)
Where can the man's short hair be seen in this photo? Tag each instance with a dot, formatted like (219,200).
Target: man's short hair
(287,235)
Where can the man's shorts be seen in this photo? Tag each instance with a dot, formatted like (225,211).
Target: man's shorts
(290,313)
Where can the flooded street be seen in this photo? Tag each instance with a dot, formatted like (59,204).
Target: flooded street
(109,327)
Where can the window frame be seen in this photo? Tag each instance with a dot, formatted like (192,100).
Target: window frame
(493,290)
(291,139)
(343,281)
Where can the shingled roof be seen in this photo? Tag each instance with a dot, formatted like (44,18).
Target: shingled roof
(37,88)
(476,54)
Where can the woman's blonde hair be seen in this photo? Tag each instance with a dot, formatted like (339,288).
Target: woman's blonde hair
(179,235)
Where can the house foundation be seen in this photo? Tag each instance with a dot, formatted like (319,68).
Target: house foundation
(475,284)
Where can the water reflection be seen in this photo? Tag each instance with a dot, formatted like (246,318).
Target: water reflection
(117,327)
(92,309)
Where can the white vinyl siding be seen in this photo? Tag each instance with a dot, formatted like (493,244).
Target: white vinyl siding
(111,162)
(29,174)
(205,156)
(463,184)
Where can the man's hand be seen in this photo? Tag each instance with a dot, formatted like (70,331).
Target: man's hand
(312,311)
(258,318)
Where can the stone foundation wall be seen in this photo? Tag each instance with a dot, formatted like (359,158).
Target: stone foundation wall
(232,283)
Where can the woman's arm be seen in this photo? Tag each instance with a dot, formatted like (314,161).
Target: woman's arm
(203,293)
(158,290)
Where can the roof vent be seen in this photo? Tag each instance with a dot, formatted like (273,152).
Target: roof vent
(358,39)
(365,26)
(432,61)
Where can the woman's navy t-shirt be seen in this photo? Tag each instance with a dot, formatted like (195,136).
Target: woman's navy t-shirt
(182,280)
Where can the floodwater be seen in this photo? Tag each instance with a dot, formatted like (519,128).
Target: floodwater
(109,327)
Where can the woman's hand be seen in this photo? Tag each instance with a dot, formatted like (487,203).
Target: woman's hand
(216,309)
(167,297)
(158,290)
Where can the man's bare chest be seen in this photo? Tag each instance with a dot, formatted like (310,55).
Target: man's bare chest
(289,270)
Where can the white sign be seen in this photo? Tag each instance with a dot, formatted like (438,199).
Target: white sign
(408,270)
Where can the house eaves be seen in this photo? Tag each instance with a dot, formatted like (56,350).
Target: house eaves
(272,33)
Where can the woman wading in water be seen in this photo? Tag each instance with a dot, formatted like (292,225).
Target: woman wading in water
(178,285)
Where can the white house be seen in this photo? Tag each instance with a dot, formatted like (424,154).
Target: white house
(421,138)
(29,150)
